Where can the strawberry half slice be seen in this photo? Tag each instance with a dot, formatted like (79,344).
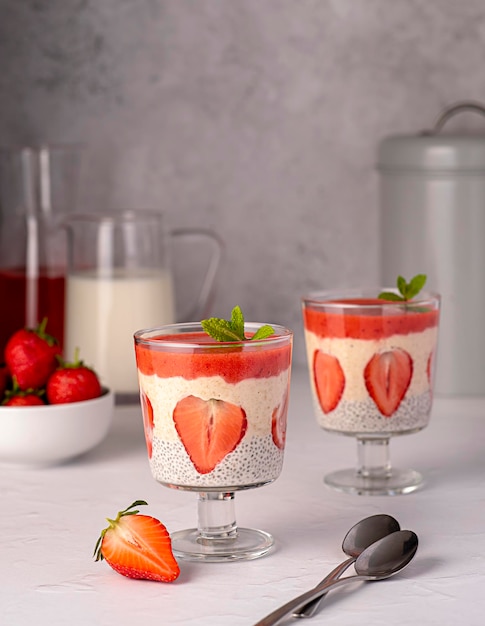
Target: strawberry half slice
(137,546)
(209,430)
(387,378)
(278,424)
(148,422)
(430,368)
(329,380)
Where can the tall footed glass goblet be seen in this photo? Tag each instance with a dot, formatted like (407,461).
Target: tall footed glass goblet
(215,423)
(371,367)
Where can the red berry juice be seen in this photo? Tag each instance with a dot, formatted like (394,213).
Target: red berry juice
(13,303)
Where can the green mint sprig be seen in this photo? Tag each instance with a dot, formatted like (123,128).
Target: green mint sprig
(407,290)
(233,329)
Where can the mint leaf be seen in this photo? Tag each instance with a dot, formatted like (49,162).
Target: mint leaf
(220,330)
(237,321)
(263,332)
(390,295)
(233,330)
(407,290)
(415,285)
(401,285)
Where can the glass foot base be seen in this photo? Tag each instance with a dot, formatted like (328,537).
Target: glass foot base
(247,544)
(398,482)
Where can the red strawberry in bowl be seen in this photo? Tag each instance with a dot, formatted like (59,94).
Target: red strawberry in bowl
(73,382)
(29,399)
(21,397)
(30,355)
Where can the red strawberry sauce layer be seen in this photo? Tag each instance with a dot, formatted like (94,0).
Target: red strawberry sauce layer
(373,322)
(232,363)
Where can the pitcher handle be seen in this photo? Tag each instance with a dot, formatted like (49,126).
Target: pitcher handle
(205,296)
(454,109)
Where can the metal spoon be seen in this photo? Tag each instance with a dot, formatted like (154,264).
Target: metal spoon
(360,536)
(382,559)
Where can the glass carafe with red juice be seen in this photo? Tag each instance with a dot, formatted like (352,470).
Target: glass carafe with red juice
(37,188)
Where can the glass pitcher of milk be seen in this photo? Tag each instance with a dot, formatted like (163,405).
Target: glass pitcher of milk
(119,280)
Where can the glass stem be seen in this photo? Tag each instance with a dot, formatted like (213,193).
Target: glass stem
(373,458)
(216,515)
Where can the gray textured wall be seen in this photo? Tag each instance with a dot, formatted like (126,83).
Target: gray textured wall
(258,118)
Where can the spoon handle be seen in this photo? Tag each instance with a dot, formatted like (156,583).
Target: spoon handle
(310,608)
(277,615)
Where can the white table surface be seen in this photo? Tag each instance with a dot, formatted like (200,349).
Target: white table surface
(50,519)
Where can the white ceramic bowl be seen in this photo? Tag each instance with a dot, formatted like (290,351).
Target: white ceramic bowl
(52,434)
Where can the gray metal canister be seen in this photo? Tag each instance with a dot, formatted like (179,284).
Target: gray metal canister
(432,202)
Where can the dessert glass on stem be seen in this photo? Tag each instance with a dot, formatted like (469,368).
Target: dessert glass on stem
(371,366)
(215,423)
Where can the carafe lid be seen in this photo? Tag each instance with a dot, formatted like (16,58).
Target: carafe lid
(432,151)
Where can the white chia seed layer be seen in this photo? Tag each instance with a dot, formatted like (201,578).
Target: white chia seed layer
(354,418)
(255,461)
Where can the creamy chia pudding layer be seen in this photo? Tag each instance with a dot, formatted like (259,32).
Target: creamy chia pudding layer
(256,459)
(356,412)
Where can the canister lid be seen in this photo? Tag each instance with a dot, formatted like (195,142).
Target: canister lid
(432,151)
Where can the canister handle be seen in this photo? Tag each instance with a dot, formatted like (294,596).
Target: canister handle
(452,110)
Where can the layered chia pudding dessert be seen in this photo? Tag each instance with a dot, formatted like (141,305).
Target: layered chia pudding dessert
(214,410)
(371,366)
(214,417)
(371,360)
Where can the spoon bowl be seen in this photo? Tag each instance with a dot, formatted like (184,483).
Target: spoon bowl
(387,556)
(383,559)
(363,534)
(368,531)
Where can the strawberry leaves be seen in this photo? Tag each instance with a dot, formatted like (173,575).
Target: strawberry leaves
(407,291)
(112,523)
(233,329)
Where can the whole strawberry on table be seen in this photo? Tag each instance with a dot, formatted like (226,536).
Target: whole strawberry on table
(35,373)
